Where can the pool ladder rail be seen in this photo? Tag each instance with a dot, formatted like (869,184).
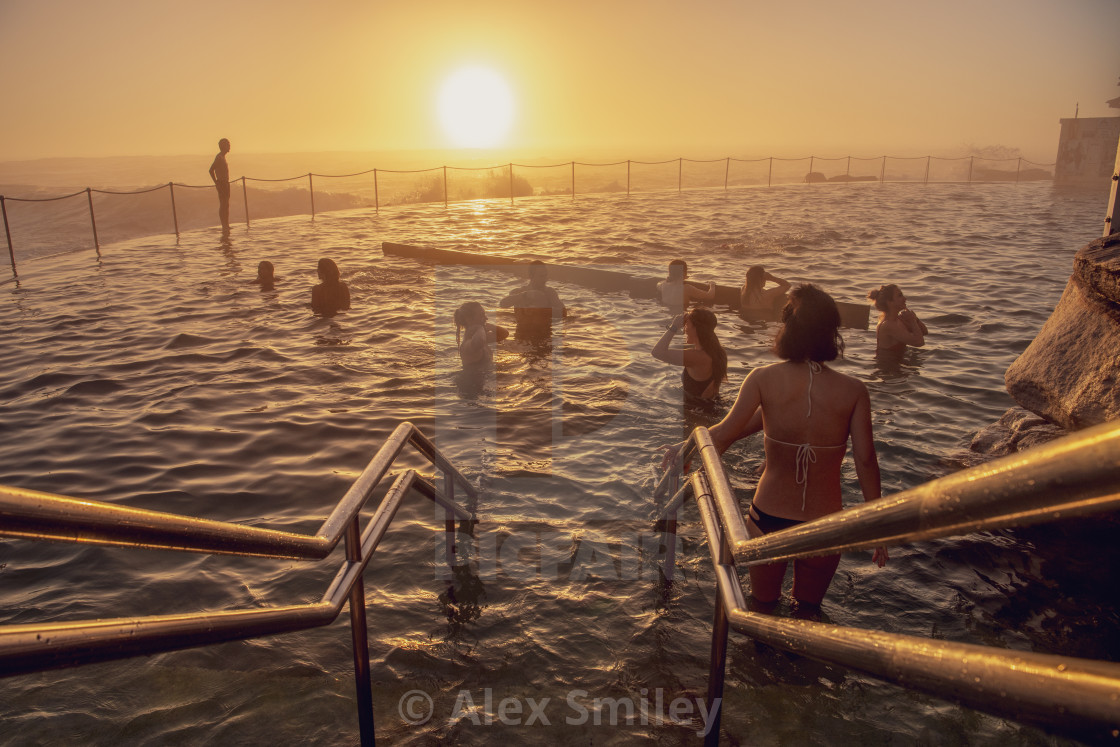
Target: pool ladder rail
(1073,476)
(41,516)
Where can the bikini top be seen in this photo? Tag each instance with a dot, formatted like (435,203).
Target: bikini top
(806,452)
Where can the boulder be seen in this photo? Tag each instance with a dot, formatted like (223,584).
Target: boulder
(1070,373)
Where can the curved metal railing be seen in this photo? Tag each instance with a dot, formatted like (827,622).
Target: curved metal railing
(30,514)
(1072,476)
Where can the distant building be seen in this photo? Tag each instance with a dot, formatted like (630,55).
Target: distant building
(1087,150)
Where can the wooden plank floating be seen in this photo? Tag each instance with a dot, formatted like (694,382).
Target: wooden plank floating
(852,315)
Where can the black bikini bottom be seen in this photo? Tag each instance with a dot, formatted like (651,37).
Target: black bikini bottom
(767,523)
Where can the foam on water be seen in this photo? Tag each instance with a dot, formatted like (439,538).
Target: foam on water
(160,377)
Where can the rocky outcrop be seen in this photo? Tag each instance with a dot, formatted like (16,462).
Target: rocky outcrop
(1070,373)
(1017,430)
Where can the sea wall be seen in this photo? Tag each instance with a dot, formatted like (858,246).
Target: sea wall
(1070,373)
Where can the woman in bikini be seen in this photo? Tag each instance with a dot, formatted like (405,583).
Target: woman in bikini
(898,326)
(704,361)
(809,412)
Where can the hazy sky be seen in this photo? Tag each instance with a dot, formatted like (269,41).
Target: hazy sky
(704,78)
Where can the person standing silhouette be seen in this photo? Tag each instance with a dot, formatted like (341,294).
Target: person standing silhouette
(219,172)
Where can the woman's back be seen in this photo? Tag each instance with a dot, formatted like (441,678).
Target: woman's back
(807,412)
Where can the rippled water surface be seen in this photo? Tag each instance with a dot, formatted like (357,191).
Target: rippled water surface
(160,377)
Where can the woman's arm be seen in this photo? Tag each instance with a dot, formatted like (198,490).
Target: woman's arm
(900,332)
(693,293)
(867,462)
(724,433)
(661,350)
(912,322)
(782,284)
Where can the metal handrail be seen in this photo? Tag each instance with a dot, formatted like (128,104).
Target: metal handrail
(40,646)
(1075,475)
(30,514)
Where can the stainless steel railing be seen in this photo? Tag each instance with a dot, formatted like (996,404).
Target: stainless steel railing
(1076,475)
(41,516)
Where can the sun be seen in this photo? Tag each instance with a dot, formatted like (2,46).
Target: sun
(476,107)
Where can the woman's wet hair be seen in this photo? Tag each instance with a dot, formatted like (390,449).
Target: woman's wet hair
(756,280)
(328,270)
(678,269)
(704,323)
(883,295)
(464,315)
(810,327)
(265,270)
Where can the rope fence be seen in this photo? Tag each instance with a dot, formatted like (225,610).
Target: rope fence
(145,214)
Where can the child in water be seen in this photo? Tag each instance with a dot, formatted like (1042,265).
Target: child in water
(473,335)
(331,295)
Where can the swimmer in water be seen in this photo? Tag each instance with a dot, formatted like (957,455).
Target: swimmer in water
(473,335)
(677,291)
(898,326)
(703,362)
(755,296)
(331,295)
(266,275)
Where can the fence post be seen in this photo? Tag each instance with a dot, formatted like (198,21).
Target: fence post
(93,221)
(245,197)
(311,189)
(573,181)
(511,184)
(848,170)
(8,233)
(680,172)
(926,181)
(770,173)
(627,177)
(726,171)
(445,186)
(174,213)
(883,172)
(359,639)
(810,177)
(970,160)
(376,199)
(1018,167)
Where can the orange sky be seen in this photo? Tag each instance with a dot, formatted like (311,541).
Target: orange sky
(631,77)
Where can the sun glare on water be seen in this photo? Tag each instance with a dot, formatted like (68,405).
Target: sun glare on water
(476,108)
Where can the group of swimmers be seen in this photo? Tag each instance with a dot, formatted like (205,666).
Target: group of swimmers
(807,411)
(328,298)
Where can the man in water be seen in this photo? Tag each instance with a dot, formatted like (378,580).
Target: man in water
(535,305)
(219,172)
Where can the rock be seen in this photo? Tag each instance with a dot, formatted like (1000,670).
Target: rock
(1017,430)
(1069,374)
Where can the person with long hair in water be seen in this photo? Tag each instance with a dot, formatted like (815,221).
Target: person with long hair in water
(809,414)
(755,296)
(898,326)
(703,362)
(473,335)
(331,295)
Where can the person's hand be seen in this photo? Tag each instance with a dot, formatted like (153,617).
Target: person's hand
(672,451)
(678,323)
(881,556)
